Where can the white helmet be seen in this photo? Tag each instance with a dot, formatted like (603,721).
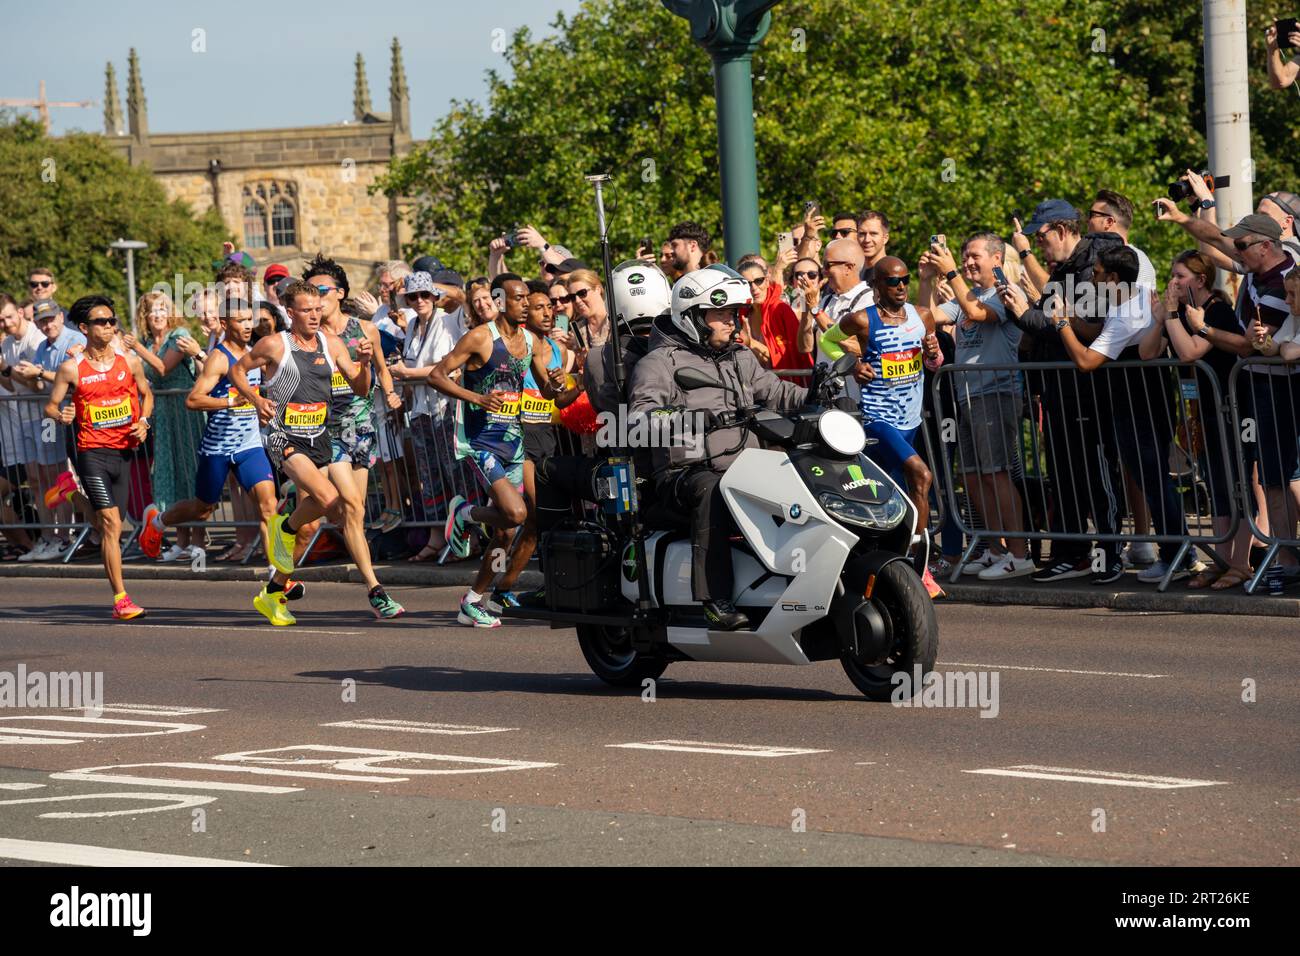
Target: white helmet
(702,289)
(641,293)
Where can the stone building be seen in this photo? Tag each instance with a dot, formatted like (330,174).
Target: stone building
(285,193)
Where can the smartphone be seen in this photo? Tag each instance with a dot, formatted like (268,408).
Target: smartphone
(512,238)
(648,244)
(784,242)
(999,276)
(1285,28)
(1155,208)
(812,209)
(939,239)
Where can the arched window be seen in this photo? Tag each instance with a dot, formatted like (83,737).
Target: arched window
(270,214)
(254,225)
(283,224)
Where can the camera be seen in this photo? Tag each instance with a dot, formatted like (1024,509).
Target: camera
(1178,191)
(512,238)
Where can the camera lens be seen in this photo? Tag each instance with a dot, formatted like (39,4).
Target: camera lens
(1179,191)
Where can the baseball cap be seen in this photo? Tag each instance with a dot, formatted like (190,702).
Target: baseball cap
(1256,224)
(449,277)
(45,309)
(275,270)
(1289,203)
(1049,210)
(567,266)
(429,264)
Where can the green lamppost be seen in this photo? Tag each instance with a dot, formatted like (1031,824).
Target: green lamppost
(730,30)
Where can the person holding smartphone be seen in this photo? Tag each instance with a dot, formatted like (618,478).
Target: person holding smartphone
(1282,73)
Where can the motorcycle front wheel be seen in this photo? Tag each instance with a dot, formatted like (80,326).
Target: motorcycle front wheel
(908,611)
(609,654)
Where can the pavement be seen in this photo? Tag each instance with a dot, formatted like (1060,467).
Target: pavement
(1126,595)
(1112,737)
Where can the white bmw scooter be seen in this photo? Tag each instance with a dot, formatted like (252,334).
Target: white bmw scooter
(821,565)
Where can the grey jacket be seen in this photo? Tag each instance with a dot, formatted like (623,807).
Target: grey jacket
(654,388)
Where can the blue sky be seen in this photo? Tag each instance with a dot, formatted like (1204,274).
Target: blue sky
(266,65)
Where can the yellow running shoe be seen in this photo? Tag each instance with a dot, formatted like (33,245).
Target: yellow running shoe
(281,555)
(273,608)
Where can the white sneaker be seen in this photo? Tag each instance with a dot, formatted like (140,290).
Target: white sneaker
(175,553)
(985,561)
(40,551)
(1143,553)
(1009,567)
(1155,573)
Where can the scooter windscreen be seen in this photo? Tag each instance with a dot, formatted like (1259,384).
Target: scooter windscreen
(856,492)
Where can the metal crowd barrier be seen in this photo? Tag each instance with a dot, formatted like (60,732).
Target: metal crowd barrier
(1060,478)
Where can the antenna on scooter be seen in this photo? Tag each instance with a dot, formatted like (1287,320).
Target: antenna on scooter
(598,180)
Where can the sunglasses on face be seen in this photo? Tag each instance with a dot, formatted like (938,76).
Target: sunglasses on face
(1098,214)
(424,294)
(1242,245)
(579,294)
(558,300)
(841,233)
(326,289)
(807,275)
(893,281)
(41,284)
(111,321)
(757,282)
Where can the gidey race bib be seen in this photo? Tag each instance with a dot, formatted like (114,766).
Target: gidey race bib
(110,415)
(536,409)
(897,368)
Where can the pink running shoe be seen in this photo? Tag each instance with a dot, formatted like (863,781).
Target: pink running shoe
(64,487)
(126,609)
(932,586)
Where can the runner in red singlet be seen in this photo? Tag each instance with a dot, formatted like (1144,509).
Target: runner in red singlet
(111,406)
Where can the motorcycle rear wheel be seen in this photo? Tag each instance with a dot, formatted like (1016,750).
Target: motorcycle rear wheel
(609,654)
(909,614)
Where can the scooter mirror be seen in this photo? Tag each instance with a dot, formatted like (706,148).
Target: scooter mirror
(689,379)
(844,364)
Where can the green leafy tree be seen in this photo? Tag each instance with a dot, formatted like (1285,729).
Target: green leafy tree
(949,118)
(64,199)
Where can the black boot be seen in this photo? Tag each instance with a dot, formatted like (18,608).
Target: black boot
(723,616)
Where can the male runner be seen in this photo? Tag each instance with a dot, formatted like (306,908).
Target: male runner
(231,441)
(300,364)
(540,439)
(495,357)
(353,440)
(111,406)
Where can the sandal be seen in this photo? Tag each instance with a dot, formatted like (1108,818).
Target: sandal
(427,553)
(1204,579)
(232,553)
(1231,578)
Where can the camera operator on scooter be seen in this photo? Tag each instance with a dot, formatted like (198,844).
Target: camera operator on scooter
(708,306)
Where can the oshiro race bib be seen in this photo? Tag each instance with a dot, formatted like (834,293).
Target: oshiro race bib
(536,409)
(110,414)
(897,368)
(509,410)
(243,411)
(300,416)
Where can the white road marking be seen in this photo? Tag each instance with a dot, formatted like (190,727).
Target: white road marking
(1050,670)
(158,710)
(365,760)
(1110,778)
(171,801)
(184,626)
(77,854)
(21,786)
(38,735)
(93,775)
(729,750)
(417,726)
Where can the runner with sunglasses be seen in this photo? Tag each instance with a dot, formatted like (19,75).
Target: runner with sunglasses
(895,341)
(110,410)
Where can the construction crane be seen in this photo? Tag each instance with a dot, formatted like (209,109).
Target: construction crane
(42,105)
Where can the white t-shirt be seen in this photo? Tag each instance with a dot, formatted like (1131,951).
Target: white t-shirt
(426,348)
(1125,325)
(1146,271)
(22,349)
(837,306)
(384,321)
(1289,332)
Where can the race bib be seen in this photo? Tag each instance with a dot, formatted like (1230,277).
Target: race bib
(243,411)
(304,416)
(338,384)
(509,410)
(536,409)
(114,415)
(898,367)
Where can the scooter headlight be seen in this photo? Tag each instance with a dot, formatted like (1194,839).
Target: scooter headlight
(877,517)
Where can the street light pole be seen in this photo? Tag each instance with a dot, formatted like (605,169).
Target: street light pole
(1227,107)
(731,30)
(130,246)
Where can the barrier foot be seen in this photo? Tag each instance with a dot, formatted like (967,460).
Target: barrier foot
(1269,557)
(1174,565)
(76,543)
(970,549)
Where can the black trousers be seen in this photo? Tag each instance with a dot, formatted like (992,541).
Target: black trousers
(1086,479)
(695,492)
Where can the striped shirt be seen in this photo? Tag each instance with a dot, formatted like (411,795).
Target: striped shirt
(895,395)
(230,431)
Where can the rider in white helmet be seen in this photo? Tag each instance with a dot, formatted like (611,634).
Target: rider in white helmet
(641,295)
(708,306)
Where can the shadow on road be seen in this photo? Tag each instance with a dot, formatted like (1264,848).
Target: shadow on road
(458,680)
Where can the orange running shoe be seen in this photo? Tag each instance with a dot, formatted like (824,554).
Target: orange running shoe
(126,609)
(64,487)
(932,586)
(150,537)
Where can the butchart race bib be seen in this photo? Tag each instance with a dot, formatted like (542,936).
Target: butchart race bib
(304,416)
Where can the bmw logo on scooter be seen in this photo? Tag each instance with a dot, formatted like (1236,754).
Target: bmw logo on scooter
(795,511)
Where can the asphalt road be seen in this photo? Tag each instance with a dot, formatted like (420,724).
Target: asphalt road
(1119,738)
